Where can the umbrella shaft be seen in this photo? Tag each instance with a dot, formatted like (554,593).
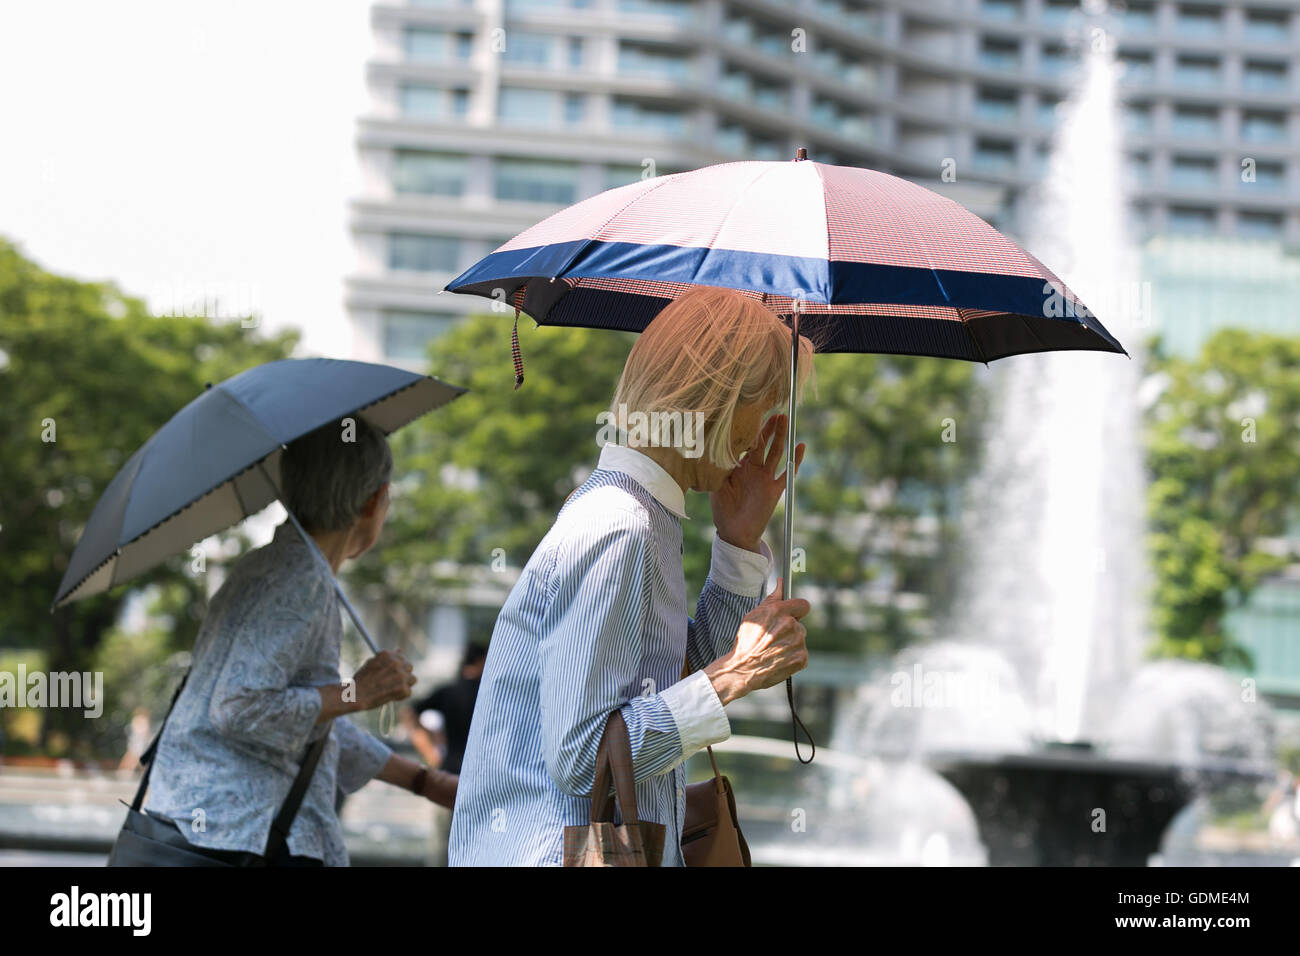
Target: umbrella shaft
(786,558)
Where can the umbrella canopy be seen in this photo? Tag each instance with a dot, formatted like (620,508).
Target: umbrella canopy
(211,465)
(876,263)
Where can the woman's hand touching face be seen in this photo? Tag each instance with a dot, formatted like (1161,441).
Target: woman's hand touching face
(743,504)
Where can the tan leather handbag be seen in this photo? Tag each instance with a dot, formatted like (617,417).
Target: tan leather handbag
(711,833)
(600,843)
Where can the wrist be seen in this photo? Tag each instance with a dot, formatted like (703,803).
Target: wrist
(727,684)
(745,544)
(420,780)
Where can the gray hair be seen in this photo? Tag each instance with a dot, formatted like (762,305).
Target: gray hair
(327,475)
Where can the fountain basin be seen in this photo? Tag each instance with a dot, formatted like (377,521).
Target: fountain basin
(1068,806)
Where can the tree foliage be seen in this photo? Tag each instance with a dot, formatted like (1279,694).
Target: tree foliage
(1223,448)
(88,366)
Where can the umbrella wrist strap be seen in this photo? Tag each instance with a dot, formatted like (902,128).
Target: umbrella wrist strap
(796,724)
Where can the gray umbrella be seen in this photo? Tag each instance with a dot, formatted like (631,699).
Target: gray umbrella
(211,466)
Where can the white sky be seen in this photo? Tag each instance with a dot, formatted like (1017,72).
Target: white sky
(188,149)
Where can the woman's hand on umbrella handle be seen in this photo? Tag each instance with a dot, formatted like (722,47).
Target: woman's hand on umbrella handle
(771,645)
(388,676)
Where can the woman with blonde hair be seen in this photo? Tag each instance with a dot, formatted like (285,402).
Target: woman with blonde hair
(598,619)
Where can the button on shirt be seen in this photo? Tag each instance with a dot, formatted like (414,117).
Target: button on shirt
(598,622)
(233,743)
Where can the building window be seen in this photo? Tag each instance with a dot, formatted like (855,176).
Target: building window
(1264,77)
(1138,67)
(1261,127)
(647,60)
(1263,225)
(529,49)
(680,10)
(1194,172)
(1001,9)
(420,253)
(1138,167)
(575,108)
(407,334)
(1197,71)
(534,180)
(1058,11)
(459,102)
(616,176)
(771,97)
(995,156)
(575,53)
(1196,122)
(427,45)
(432,174)
(999,54)
(1047,111)
(1191,219)
(1267,26)
(641,117)
(1269,177)
(422,45)
(1139,18)
(1137,118)
(421,102)
(521,106)
(997,105)
(1199,21)
(1053,60)
(733,139)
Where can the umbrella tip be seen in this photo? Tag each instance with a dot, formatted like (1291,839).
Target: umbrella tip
(801,153)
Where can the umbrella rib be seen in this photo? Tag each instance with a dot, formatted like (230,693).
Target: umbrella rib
(1030,329)
(979,352)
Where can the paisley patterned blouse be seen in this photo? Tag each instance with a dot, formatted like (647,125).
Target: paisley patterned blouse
(233,743)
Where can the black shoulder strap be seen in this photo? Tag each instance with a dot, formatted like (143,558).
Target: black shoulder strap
(279,835)
(146,758)
(288,810)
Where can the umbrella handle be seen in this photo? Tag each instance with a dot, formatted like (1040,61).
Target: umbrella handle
(788,551)
(787,590)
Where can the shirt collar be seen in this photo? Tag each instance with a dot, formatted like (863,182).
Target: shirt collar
(647,473)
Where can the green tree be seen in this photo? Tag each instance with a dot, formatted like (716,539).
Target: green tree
(87,374)
(1223,448)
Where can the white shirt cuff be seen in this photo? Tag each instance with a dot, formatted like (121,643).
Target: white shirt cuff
(739,571)
(698,713)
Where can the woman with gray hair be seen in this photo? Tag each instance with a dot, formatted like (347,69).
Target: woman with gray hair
(265,676)
(598,619)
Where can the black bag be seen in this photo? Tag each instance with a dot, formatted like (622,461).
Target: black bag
(149,839)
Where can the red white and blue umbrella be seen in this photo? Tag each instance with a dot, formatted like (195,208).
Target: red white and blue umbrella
(855,260)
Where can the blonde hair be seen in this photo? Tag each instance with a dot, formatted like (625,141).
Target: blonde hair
(709,351)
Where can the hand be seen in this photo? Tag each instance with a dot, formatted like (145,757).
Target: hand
(743,506)
(440,787)
(385,677)
(771,645)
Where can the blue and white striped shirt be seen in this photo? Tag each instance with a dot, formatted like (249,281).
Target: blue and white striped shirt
(598,621)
